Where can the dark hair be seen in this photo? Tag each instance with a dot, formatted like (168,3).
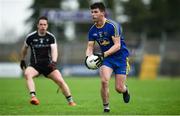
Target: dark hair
(42,18)
(99,5)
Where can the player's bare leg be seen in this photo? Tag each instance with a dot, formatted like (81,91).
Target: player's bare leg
(29,74)
(105,74)
(121,87)
(57,78)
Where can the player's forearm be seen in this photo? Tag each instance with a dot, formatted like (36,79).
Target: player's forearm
(112,50)
(115,47)
(23,53)
(54,56)
(54,52)
(90,47)
(89,51)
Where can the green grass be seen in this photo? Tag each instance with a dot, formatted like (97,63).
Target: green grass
(155,97)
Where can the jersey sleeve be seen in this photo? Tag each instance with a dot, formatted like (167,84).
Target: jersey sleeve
(27,41)
(90,37)
(90,34)
(116,31)
(53,40)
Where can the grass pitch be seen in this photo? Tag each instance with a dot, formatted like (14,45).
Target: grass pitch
(155,97)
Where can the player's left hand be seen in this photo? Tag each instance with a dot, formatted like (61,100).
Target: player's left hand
(23,65)
(52,65)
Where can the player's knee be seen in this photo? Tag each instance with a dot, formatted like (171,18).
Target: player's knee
(105,83)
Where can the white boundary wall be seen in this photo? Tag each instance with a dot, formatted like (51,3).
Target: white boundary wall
(10,70)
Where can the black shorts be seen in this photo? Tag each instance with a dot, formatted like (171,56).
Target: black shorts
(44,68)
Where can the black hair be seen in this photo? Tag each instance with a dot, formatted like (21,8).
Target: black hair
(42,18)
(99,5)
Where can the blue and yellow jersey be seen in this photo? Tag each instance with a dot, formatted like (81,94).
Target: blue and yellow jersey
(103,36)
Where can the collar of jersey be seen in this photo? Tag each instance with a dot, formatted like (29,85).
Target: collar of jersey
(102,25)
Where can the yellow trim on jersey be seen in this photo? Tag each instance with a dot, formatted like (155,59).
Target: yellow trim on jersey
(116,33)
(101,25)
(128,67)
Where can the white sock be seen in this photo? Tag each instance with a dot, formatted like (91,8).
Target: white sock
(106,106)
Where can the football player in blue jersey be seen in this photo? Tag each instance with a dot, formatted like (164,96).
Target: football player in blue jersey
(108,34)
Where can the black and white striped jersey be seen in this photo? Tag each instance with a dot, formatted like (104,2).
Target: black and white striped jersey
(40,47)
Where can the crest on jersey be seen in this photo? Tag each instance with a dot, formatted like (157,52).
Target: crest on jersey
(41,40)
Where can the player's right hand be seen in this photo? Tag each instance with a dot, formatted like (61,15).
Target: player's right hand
(52,65)
(23,64)
(86,62)
(100,56)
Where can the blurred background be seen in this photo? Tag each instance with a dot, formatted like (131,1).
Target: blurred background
(151,29)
